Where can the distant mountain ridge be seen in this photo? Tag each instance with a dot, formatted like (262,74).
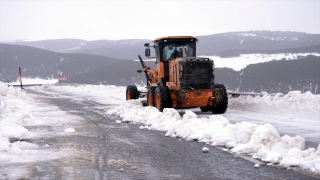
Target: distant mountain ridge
(121,49)
(255,41)
(225,44)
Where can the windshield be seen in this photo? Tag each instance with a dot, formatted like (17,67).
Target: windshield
(173,51)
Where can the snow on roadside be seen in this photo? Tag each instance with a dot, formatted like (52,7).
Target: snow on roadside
(14,112)
(18,110)
(261,141)
(294,104)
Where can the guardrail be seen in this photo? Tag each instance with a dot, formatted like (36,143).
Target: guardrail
(56,84)
(18,85)
(237,94)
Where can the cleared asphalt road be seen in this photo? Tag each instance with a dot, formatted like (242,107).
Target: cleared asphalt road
(107,150)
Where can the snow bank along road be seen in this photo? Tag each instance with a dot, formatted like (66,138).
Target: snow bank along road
(67,134)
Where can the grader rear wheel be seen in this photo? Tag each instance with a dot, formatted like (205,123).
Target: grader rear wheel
(163,98)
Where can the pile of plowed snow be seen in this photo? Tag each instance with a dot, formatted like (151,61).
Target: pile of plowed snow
(261,141)
(15,112)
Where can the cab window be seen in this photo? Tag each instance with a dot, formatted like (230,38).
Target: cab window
(173,51)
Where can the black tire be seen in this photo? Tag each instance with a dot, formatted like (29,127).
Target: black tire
(205,108)
(150,96)
(223,105)
(162,98)
(132,92)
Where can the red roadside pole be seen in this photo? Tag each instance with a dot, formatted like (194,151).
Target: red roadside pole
(20,77)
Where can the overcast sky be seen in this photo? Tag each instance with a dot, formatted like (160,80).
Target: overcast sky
(149,19)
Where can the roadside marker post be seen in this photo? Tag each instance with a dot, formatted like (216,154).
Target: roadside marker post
(20,77)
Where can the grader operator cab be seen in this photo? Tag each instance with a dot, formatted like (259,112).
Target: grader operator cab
(181,79)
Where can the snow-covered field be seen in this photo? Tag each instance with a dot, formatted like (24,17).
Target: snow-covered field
(261,141)
(238,63)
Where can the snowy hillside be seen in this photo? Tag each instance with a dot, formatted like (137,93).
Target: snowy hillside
(262,141)
(242,61)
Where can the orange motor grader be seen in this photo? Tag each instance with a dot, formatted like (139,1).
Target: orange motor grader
(181,79)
